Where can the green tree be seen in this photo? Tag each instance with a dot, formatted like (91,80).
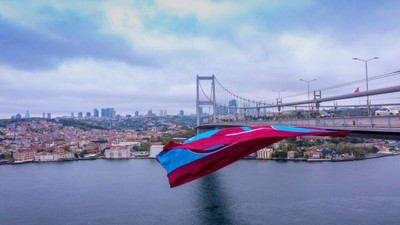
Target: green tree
(291,147)
(280,154)
(283,146)
(291,140)
(297,155)
(85,152)
(318,142)
(145,146)
(332,146)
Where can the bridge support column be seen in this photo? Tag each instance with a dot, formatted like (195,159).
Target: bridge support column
(210,100)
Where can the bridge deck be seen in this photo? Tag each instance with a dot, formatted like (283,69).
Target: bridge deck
(385,127)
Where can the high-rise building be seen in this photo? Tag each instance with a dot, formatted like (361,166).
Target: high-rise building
(44,115)
(27,115)
(112,113)
(80,114)
(95,113)
(88,114)
(72,115)
(136,113)
(165,113)
(201,110)
(181,112)
(232,103)
(161,113)
(18,116)
(150,112)
(48,115)
(108,112)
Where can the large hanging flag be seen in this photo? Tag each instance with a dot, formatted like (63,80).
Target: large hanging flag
(213,150)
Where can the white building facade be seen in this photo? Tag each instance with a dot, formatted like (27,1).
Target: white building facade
(155,149)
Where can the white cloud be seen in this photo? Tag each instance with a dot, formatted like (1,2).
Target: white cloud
(202,9)
(252,60)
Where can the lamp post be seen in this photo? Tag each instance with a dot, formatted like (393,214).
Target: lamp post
(308,85)
(308,92)
(366,77)
(279,92)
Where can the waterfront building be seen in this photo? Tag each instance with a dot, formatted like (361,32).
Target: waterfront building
(117,153)
(46,157)
(291,154)
(24,156)
(313,154)
(69,156)
(155,149)
(138,154)
(265,153)
(60,153)
(327,153)
(384,150)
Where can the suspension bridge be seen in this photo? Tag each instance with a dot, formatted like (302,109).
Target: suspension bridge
(337,107)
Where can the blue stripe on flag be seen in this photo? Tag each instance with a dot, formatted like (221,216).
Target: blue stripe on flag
(297,129)
(202,135)
(178,157)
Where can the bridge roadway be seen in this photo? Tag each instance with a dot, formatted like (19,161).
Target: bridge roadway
(381,127)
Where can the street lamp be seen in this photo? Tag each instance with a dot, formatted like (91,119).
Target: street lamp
(308,86)
(308,92)
(279,92)
(366,77)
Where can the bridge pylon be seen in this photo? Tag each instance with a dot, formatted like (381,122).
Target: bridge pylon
(210,100)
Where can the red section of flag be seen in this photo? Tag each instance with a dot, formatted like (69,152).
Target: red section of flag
(357,90)
(233,144)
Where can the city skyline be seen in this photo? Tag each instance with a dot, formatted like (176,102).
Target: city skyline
(95,113)
(57,56)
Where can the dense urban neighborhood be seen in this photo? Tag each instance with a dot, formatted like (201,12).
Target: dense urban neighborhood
(37,139)
(67,138)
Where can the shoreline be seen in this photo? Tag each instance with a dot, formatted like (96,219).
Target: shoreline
(246,158)
(331,160)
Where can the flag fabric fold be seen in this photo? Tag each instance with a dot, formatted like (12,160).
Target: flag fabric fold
(212,150)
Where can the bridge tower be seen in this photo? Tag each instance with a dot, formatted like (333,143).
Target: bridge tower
(210,100)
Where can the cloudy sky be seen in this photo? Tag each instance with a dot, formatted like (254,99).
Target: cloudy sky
(68,56)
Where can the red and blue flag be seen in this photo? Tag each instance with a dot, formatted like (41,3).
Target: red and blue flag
(213,150)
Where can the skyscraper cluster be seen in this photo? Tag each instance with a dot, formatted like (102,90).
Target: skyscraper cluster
(108,112)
